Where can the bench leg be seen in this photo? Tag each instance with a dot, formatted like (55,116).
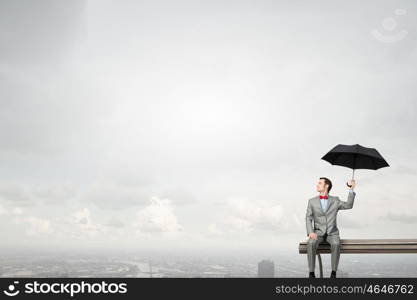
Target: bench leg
(320,265)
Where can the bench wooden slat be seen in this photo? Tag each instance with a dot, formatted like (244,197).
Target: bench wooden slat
(379,241)
(367,246)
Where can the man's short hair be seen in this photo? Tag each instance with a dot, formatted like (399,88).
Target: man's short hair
(328,182)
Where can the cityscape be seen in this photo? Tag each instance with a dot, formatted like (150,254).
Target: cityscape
(192,266)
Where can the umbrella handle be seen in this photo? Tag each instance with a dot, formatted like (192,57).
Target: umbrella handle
(353,175)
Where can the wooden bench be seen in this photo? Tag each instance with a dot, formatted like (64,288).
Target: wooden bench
(373,246)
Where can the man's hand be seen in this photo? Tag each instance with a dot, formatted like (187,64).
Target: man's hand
(352,184)
(313,236)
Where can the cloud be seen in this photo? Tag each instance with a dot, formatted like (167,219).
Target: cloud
(82,219)
(401,218)
(3,211)
(157,217)
(348,222)
(196,120)
(34,226)
(245,216)
(28,24)
(125,172)
(22,194)
(54,193)
(406,169)
(10,211)
(108,195)
(179,196)
(76,225)
(17,211)
(116,223)
(37,226)
(14,192)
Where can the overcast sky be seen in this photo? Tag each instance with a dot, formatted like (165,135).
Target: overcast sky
(201,124)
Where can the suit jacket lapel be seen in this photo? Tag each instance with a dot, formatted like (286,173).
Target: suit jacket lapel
(319,204)
(331,200)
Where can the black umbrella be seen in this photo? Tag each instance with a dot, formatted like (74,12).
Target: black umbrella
(355,157)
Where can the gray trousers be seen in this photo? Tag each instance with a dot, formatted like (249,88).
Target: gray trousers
(333,240)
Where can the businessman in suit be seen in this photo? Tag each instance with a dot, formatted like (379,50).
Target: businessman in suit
(323,209)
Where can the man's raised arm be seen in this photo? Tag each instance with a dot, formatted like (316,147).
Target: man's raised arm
(351,198)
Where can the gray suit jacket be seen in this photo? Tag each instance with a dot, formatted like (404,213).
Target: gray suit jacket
(326,221)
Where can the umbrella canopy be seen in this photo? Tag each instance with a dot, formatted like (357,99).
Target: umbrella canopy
(355,157)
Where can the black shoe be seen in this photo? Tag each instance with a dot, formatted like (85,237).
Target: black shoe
(311,275)
(333,274)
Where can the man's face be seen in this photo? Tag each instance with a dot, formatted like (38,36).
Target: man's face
(321,186)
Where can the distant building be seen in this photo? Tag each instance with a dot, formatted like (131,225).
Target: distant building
(266,269)
(227,275)
(342,274)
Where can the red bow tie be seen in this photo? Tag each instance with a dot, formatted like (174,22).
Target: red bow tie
(324,197)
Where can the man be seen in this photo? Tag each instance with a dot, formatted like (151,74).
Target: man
(323,210)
